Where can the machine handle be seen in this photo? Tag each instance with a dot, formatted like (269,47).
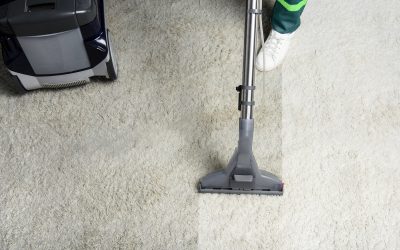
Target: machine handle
(39,5)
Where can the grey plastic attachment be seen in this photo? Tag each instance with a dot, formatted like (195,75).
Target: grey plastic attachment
(242,175)
(256,11)
(76,78)
(55,53)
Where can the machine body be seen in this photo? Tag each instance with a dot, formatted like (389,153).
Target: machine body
(55,43)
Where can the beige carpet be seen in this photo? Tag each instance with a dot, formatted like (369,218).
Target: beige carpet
(115,166)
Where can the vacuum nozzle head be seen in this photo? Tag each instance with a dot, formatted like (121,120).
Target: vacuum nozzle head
(223,182)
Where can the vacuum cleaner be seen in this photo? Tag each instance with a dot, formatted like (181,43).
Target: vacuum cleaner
(242,175)
(55,43)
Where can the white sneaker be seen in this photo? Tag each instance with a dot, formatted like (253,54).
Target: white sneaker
(273,51)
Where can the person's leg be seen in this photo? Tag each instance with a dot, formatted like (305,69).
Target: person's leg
(286,15)
(285,21)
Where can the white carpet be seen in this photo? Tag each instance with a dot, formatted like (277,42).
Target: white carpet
(109,166)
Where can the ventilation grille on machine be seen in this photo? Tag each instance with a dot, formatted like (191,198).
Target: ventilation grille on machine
(63,85)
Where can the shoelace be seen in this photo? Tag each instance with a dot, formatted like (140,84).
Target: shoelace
(273,44)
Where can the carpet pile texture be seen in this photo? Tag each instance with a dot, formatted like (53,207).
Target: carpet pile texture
(115,165)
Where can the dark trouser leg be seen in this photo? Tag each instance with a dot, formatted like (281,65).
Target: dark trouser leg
(286,15)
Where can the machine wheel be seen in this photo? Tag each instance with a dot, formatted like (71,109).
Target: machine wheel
(17,86)
(112,64)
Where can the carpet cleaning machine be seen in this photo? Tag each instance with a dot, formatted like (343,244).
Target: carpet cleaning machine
(242,175)
(61,43)
(55,43)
